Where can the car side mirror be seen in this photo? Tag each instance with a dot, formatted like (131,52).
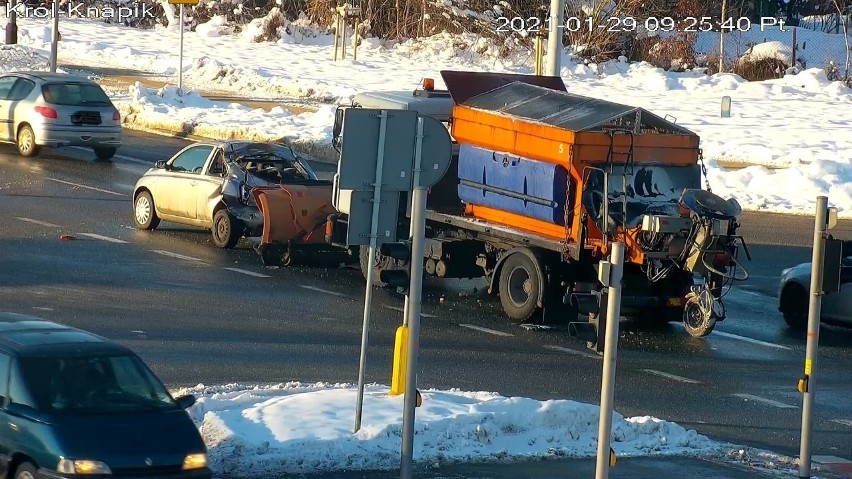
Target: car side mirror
(160,164)
(185,401)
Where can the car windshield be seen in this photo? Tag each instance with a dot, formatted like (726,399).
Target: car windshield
(75,94)
(94,384)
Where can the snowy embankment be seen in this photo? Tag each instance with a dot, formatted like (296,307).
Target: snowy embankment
(307,428)
(791,135)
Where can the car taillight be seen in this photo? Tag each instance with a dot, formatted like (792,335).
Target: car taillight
(46,112)
(116,116)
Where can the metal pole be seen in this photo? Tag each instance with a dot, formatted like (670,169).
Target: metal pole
(418,222)
(554,37)
(355,41)
(54,37)
(609,354)
(12,24)
(368,296)
(180,62)
(795,47)
(722,37)
(820,235)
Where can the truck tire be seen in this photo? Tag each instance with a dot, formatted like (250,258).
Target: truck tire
(694,321)
(382,263)
(519,287)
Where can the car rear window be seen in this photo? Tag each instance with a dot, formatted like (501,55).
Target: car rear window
(75,94)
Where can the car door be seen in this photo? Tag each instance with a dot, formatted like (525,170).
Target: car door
(209,187)
(6,106)
(176,191)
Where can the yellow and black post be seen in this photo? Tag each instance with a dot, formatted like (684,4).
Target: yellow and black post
(401,280)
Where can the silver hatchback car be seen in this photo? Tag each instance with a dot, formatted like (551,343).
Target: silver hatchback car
(57,109)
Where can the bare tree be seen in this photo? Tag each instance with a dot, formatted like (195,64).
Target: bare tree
(844,20)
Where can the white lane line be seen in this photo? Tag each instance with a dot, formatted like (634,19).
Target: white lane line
(830,460)
(175,255)
(671,376)
(123,157)
(104,238)
(37,222)
(585,354)
(486,330)
(250,273)
(750,340)
(314,288)
(43,308)
(402,310)
(843,422)
(78,185)
(769,402)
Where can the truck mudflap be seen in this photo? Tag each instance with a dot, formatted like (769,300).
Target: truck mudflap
(294,217)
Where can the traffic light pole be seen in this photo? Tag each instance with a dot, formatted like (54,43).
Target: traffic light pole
(371,259)
(418,240)
(613,309)
(12,24)
(814,312)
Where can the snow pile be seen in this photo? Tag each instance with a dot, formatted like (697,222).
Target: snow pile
(216,27)
(21,58)
(770,50)
(166,109)
(307,428)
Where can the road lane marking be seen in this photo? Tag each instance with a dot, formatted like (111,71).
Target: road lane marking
(585,354)
(750,340)
(175,255)
(43,308)
(314,288)
(123,157)
(830,460)
(250,273)
(37,222)
(769,402)
(843,422)
(104,238)
(401,310)
(85,186)
(486,330)
(671,376)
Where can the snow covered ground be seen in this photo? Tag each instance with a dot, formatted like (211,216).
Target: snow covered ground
(792,133)
(307,428)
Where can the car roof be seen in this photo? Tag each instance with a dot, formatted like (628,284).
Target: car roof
(51,77)
(26,335)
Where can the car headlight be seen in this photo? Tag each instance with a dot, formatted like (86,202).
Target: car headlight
(82,466)
(195,461)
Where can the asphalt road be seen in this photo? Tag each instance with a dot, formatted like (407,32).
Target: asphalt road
(197,314)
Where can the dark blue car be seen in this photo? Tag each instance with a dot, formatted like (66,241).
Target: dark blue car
(78,405)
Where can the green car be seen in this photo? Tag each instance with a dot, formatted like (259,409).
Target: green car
(77,405)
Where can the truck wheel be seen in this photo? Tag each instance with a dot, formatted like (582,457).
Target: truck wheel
(694,320)
(382,263)
(519,287)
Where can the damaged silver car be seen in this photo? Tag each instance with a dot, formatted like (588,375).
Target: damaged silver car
(208,185)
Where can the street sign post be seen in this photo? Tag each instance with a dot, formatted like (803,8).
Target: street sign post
(182,24)
(383,153)
(54,38)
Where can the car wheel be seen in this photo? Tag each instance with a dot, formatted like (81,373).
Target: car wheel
(26,142)
(226,230)
(104,152)
(794,307)
(144,213)
(25,470)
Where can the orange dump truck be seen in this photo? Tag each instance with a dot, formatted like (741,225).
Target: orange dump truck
(542,182)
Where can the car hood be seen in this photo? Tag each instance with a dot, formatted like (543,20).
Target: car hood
(128,440)
(799,271)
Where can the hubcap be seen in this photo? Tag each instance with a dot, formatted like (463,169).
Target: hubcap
(143,210)
(520,286)
(26,141)
(694,317)
(221,229)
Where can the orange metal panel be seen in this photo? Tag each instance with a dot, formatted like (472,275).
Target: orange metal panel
(543,228)
(294,214)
